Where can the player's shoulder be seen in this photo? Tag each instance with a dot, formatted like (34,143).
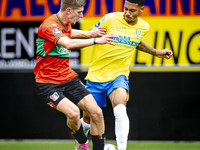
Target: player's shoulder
(143,23)
(47,24)
(111,17)
(50,20)
(114,14)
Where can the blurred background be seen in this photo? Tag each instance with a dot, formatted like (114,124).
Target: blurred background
(164,94)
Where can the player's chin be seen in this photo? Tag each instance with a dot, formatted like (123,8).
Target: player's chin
(128,20)
(73,23)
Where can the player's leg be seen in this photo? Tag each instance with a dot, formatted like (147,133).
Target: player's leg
(86,129)
(118,97)
(72,113)
(73,119)
(89,105)
(85,121)
(81,96)
(98,91)
(53,95)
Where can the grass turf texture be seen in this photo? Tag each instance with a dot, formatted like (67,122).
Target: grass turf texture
(69,145)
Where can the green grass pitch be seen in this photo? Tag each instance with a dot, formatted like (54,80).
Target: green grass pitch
(69,145)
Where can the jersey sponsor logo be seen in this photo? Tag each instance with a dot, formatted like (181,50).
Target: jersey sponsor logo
(64,50)
(54,96)
(126,40)
(121,27)
(56,31)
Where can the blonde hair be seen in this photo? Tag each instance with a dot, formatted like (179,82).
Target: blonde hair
(74,4)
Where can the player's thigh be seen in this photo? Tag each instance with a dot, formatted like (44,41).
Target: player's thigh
(68,108)
(118,92)
(75,90)
(118,96)
(50,93)
(89,105)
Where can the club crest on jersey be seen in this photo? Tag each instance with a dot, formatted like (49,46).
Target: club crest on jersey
(138,33)
(56,31)
(54,96)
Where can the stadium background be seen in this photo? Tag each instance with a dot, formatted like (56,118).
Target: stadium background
(164,97)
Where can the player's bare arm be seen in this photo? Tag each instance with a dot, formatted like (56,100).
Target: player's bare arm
(146,48)
(94,33)
(164,53)
(74,44)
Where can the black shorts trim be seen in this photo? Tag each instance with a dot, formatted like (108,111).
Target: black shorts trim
(52,94)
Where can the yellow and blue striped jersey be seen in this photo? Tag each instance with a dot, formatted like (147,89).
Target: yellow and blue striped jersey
(110,61)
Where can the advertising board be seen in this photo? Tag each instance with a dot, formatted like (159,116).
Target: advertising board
(174,24)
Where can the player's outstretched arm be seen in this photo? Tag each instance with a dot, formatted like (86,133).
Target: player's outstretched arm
(107,39)
(164,53)
(93,33)
(74,44)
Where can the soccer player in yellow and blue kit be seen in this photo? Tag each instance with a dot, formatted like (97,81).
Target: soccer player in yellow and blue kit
(109,71)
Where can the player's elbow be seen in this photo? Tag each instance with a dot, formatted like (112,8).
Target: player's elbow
(71,46)
(66,42)
(68,46)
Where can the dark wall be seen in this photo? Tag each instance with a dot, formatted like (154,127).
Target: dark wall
(162,106)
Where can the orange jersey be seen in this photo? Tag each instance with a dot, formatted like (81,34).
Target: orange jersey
(53,60)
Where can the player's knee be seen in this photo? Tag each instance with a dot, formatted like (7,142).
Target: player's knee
(97,115)
(74,115)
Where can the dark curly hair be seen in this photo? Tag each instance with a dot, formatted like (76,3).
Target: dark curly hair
(139,2)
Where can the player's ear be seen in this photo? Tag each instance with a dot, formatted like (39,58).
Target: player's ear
(68,10)
(141,9)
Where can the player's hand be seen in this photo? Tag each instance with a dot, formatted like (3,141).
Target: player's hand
(164,53)
(36,42)
(98,32)
(107,39)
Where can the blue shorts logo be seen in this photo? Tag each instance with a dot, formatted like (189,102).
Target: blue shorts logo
(56,31)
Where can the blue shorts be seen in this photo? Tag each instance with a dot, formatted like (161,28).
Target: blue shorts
(103,89)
